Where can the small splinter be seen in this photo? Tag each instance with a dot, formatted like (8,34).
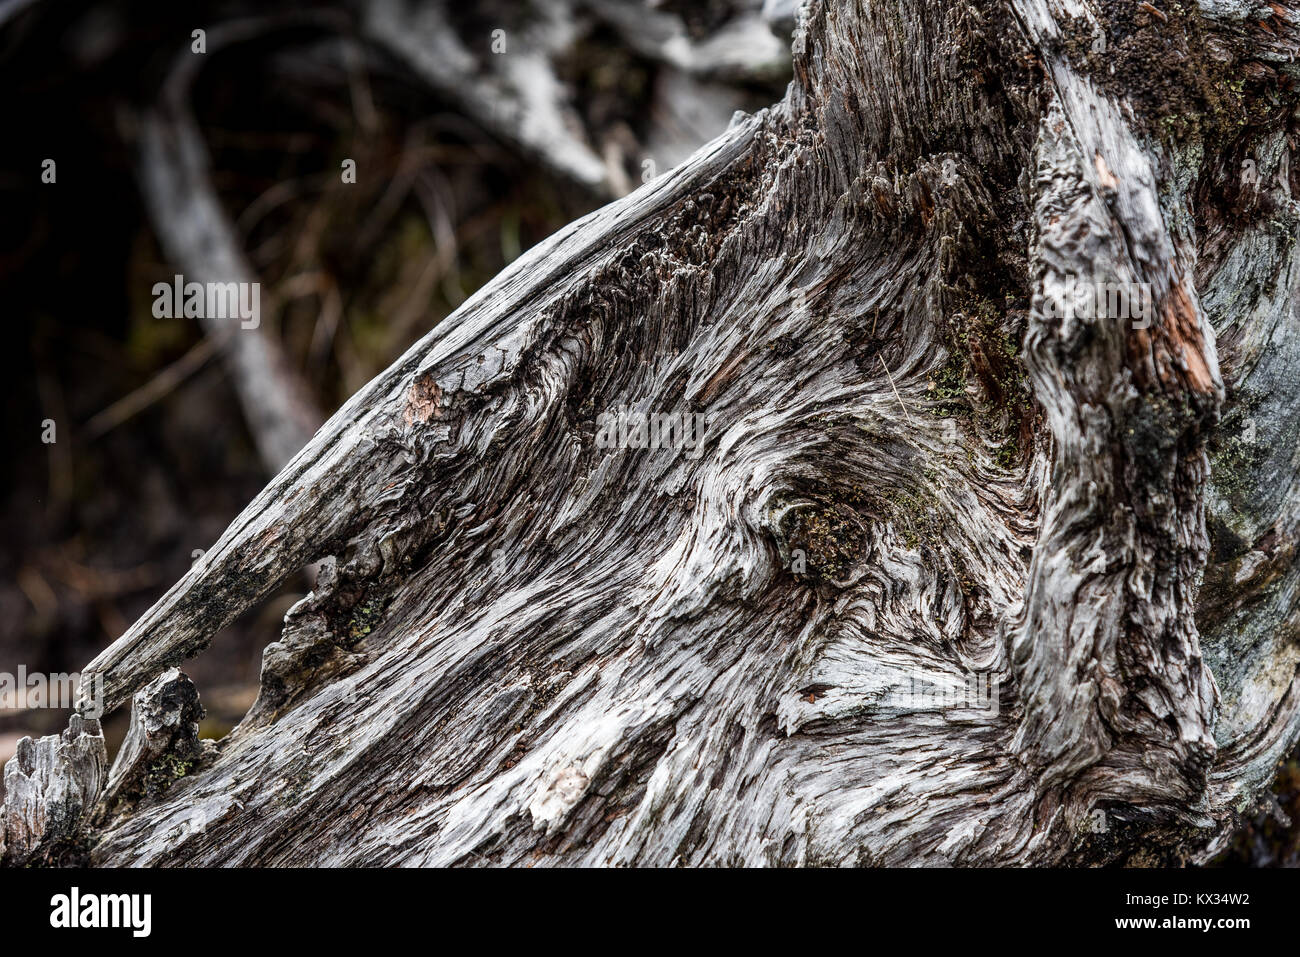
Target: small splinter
(1154,12)
(895,388)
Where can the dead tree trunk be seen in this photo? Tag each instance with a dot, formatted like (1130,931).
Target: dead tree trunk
(918,458)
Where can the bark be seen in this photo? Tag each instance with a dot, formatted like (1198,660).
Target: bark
(526,648)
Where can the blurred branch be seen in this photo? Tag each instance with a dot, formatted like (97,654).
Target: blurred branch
(158,387)
(197,235)
(516,97)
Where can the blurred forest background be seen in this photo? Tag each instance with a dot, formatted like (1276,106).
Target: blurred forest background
(476,129)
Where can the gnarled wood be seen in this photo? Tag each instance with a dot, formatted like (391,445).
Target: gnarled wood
(526,646)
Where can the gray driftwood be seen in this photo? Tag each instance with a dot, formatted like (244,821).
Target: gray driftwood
(526,648)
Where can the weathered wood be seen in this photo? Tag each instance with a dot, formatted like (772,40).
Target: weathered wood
(526,646)
(162,742)
(51,785)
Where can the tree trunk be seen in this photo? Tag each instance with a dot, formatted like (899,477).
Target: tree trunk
(924,463)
